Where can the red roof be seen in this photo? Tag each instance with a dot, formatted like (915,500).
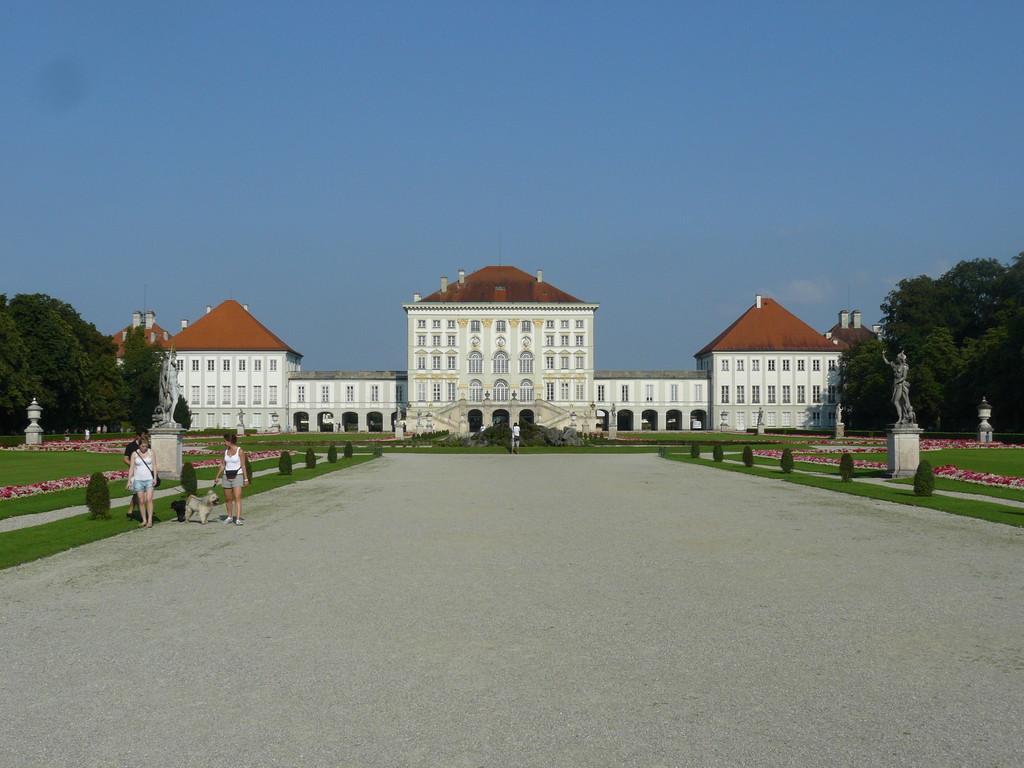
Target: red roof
(154,335)
(770,327)
(501,284)
(228,326)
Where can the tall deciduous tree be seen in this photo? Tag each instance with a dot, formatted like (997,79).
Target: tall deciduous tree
(140,371)
(17,384)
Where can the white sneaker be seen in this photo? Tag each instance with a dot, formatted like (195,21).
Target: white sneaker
(229,520)
(238,522)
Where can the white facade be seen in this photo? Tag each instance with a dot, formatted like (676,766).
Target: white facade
(353,401)
(654,400)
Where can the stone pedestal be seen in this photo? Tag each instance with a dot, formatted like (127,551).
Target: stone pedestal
(33,432)
(166,442)
(613,431)
(904,446)
(840,429)
(760,429)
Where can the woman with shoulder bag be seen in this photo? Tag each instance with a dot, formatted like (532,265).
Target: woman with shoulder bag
(232,466)
(142,474)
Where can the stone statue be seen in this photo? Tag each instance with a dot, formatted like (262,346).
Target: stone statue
(168,393)
(839,413)
(241,418)
(901,389)
(760,417)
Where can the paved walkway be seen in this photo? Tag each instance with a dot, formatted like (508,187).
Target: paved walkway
(548,610)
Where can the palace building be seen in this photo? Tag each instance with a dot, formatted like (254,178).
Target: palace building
(500,344)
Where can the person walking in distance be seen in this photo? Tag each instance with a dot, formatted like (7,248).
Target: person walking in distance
(141,479)
(232,466)
(515,437)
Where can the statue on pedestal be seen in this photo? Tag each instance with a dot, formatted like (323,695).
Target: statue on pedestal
(168,393)
(901,389)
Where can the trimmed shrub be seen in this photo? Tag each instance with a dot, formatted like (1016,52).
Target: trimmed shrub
(694,451)
(248,468)
(310,458)
(332,454)
(717,453)
(189,483)
(348,451)
(748,456)
(924,479)
(97,497)
(377,451)
(846,467)
(284,464)
(786,461)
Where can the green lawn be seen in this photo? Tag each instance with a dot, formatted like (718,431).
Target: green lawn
(27,467)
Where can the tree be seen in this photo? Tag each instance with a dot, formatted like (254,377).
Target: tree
(717,453)
(332,454)
(284,464)
(866,384)
(97,497)
(786,461)
(310,458)
(924,479)
(348,450)
(140,371)
(748,456)
(846,467)
(189,483)
(182,413)
(18,385)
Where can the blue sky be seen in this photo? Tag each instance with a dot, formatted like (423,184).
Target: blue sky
(323,161)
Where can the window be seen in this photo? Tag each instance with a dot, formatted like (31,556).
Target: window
(526,362)
(241,365)
(500,326)
(801,393)
(649,393)
(474,326)
(771,394)
(580,362)
(755,394)
(816,393)
(421,390)
(453,362)
(301,393)
(770,419)
(725,364)
(831,365)
(698,391)
(816,419)
(673,392)
(451,323)
(225,395)
(563,340)
(800,365)
(451,339)
(549,340)
(257,365)
(785,365)
(579,390)
(325,393)
(421,362)
(435,391)
(451,391)
(272,395)
(579,339)
(435,362)
(579,323)
(195,365)
(741,394)
(350,393)
(565,324)
(476,362)
(241,395)
(435,340)
(549,361)
(600,391)
(831,393)
(226,365)
(755,365)
(501,390)
(549,325)
(739,365)
(211,365)
(725,394)
(549,387)
(815,365)
(195,396)
(525,326)
(210,421)
(771,365)
(526,390)
(624,393)
(786,396)
(256,421)
(563,387)
(500,362)
(565,362)
(257,395)
(787,419)
(273,366)
(421,323)
(421,339)
(476,391)
(435,324)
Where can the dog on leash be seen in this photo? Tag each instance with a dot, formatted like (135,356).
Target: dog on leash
(203,505)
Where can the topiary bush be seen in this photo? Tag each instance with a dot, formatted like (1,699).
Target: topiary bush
(348,450)
(846,467)
(189,482)
(97,497)
(248,468)
(924,479)
(786,461)
(748,456)
(310,458)
(284,464)
(332,454)
(694,451)
(717,453)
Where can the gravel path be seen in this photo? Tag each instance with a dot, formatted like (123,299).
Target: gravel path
(550,610)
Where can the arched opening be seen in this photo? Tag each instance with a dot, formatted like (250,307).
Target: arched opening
(476,362)
(602,420)
(526,416)
(500,363)
(624,421)
(649,420)
(500,416)
(526,390)
(698,419)
(674,420)
(301,421)
(375,421)
(325,421)
(350,421)
(476,391)
(476,420)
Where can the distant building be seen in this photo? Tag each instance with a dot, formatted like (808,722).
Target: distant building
(154,333)
(850,331)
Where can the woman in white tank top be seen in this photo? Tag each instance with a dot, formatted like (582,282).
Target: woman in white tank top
(141,474)
(232,467)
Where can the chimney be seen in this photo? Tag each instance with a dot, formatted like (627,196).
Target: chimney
(462,276)
(150,317)
(184,323)
(856,318)
(844,319)
(876,329)
(245,307)
(136,319)
(540,275)
(415,297)
(444,284)
(208,309)
(757,300)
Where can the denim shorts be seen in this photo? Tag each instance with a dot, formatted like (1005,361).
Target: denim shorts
(138,486)
(233,482)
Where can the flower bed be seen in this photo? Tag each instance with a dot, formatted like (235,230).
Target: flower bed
(979,478)
(811,458)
